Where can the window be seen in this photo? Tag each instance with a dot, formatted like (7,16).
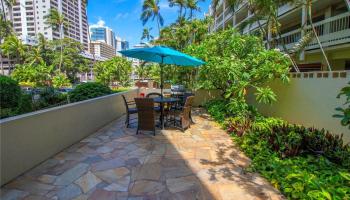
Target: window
(347,65)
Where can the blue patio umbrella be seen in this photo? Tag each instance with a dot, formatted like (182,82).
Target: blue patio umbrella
(163,55)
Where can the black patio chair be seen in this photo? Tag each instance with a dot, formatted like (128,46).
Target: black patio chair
(129,111)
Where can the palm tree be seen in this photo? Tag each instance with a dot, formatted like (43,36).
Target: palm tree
(192,5)
(180,3)
(58,22)
(146,34)
(150,9)
(14,48)
(34,56)
(9,4)
(5,31)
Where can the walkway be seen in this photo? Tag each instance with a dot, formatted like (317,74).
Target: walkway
(114,163)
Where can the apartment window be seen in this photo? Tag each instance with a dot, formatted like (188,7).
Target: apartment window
(347,65)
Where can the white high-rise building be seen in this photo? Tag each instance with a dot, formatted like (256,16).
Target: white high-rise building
(100,32)
(28,18)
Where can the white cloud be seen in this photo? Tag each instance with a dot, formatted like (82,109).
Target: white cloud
(121,16)
(99,23)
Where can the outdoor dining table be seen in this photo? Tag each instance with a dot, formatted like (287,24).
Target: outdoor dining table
(162,101)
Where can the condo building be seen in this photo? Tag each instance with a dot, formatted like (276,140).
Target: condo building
(104,34)
(28,17)
(100,48)
(331,20)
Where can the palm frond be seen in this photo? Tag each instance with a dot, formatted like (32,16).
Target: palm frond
(302,43)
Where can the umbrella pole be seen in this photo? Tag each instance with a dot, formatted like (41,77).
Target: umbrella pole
(161,77)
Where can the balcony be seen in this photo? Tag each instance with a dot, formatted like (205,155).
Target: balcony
(113,162)
(332,31)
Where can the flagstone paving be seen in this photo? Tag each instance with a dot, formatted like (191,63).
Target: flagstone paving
(115,163)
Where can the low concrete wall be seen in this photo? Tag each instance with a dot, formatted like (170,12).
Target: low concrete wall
(30,139)
(203,96)
(308,100)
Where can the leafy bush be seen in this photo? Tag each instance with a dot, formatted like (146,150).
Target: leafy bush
(50,97)
(299,177)
(217,109)
(10,93)
(25,105)
(345,112)
(88,91)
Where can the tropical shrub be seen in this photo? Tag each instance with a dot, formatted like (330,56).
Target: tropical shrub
(236,63)
(117,69)
(38,75)
(49,97)
(345,112)
(10,93)
(60,80)
(26,104)
(303,163)
(88,91)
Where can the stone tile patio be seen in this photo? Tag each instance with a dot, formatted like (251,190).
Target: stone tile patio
(114,163)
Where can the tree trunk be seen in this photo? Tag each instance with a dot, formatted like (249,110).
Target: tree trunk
(158,24)
(2,65)
(315,33)
(93,54)
(3,8)
(61,50)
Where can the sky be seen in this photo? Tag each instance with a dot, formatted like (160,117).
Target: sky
(123,16)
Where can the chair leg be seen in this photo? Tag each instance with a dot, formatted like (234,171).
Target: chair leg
(127,121)
(154,132)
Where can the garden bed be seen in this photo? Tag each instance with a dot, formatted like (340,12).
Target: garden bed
(303,163)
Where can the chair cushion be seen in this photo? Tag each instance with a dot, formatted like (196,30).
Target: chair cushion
(132,110)
(157,108)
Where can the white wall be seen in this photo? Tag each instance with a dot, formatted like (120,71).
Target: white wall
(29,139)
(308,101)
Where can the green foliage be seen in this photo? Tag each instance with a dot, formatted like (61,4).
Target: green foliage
(14,48)
(235,63)
(88,91)
(38,74)
(117,69)
(10,92)
(26,104)
(345,112)
(13,102)
(304,163)
(217,109)
(122,89)
(60,80)
(49,97)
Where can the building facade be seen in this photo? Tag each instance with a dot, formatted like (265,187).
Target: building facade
(331,20)
(105,34)
(102,49)
(28,17)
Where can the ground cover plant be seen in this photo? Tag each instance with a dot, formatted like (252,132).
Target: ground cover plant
(303,163)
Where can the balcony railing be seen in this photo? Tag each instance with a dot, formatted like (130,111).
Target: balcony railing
(331,31)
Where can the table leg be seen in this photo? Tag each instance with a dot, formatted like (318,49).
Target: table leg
(161,116)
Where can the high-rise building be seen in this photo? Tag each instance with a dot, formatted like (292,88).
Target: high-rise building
(102,49)
(28,18)
(331,20)
(99,32)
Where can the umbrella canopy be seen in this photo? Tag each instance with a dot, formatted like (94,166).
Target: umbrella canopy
(164,55)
